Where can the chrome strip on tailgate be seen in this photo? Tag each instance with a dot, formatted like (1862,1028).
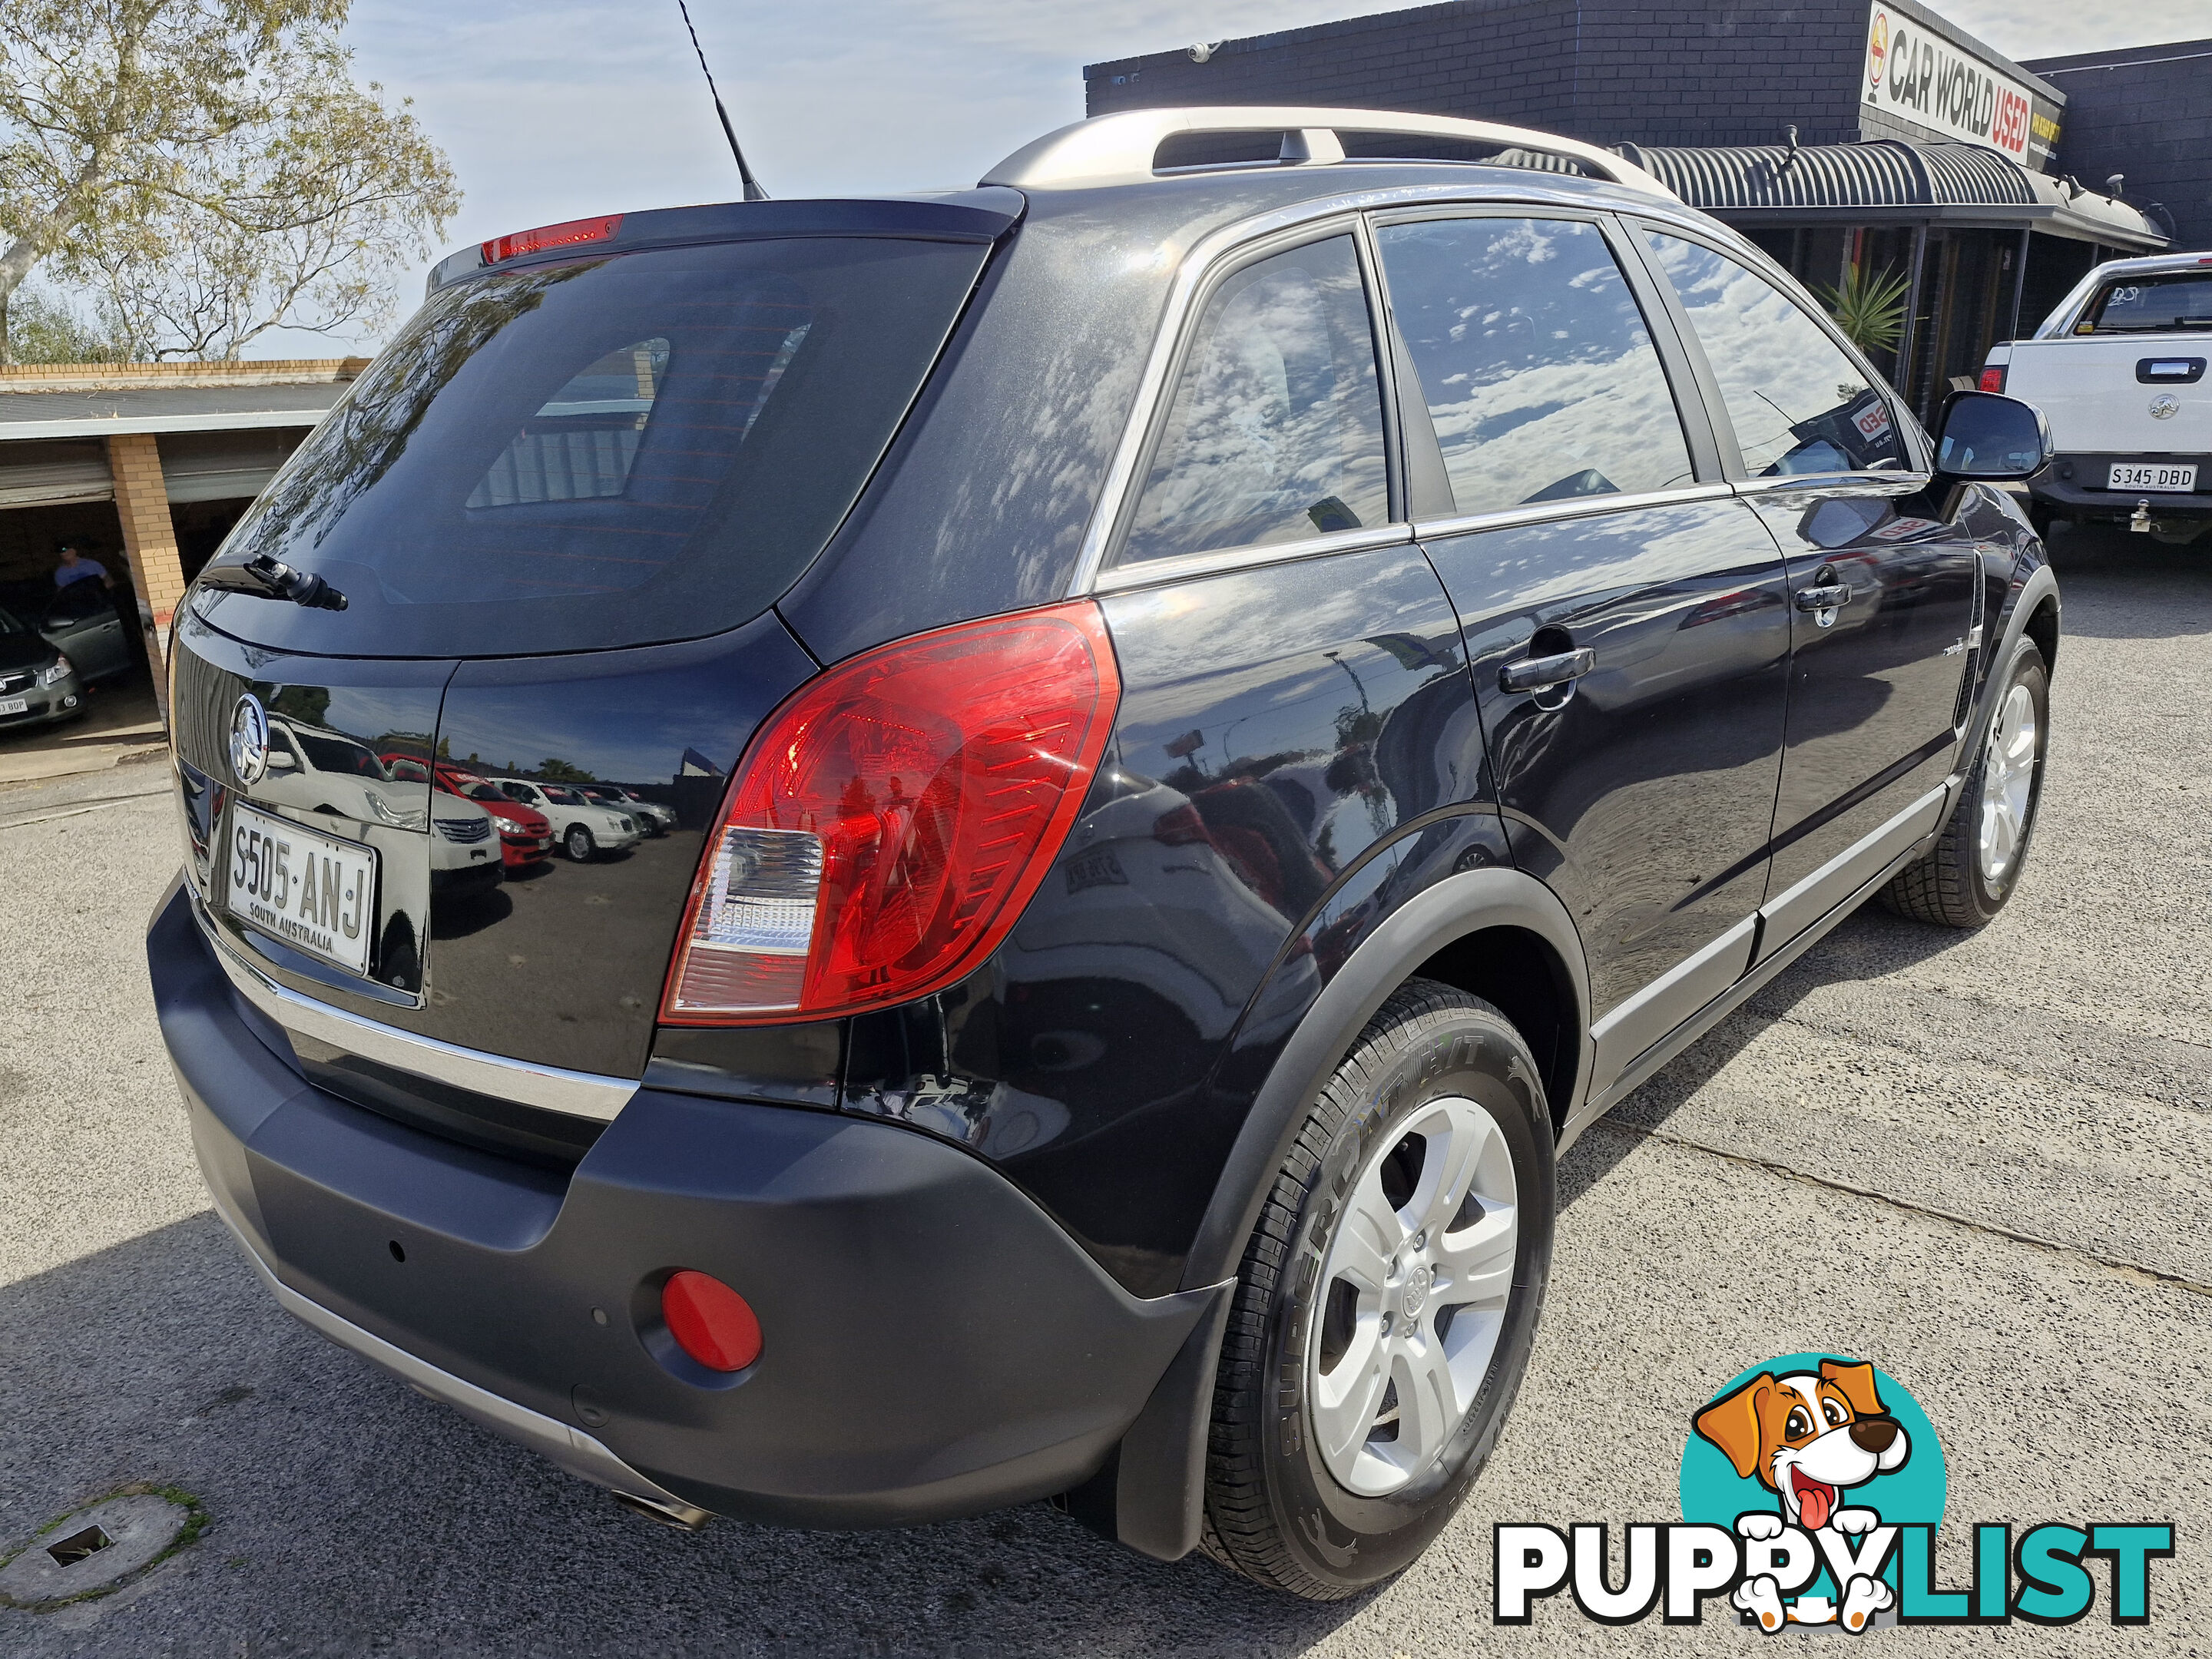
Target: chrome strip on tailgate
(578,1094)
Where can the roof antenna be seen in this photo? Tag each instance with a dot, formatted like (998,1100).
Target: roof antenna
(753,191)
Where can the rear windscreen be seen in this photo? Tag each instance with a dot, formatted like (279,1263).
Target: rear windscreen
(604,451)
(2150,305)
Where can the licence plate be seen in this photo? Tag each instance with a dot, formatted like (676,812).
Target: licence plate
(1096,868)
(2129,477)
(15,705)
(315,892)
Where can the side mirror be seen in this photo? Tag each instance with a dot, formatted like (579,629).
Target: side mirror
(281,761)
(1982,434)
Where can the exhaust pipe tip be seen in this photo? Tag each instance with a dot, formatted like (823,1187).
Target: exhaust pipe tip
(684,1517)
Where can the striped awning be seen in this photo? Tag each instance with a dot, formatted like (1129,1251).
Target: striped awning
(1936,181)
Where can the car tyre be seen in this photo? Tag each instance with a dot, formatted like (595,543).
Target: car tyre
(1974,868)
(1440,1097)
(578,844)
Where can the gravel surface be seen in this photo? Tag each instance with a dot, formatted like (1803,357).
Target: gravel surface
(1978,1160)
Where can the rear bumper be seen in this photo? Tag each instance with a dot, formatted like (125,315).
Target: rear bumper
(2073,484)
(935,1343)
(468,878)
(578,1453)
(518,852)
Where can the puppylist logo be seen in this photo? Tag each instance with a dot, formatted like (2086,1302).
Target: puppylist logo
(1812,1486)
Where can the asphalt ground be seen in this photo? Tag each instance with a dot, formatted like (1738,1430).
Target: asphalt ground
(1979,1160)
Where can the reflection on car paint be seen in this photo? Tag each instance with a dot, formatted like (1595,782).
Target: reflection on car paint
(1298,753)
(1646,798)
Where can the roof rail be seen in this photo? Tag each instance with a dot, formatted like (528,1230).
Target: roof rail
(1120,150)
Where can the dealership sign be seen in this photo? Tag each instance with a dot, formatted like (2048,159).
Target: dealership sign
(1918,75)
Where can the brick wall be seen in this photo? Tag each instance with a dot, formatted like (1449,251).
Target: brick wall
(157,575)
(1688,73)
(2146,113)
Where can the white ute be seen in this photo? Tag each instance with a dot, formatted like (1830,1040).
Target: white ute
(2119,370)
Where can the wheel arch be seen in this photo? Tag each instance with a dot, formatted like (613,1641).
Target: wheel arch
(1524,976)
(1498,934)
(2042,626)
(1475,930)
(2031,610)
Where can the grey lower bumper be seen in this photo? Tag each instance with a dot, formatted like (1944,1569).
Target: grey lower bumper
(571,1448)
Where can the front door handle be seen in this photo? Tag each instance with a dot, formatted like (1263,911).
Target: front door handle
(1539,673)
(1827,597)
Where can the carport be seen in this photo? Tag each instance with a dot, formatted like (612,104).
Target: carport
(144,466)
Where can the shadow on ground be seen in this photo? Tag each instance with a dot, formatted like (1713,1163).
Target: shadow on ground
(1871,943)
(351,1516)
(2143,589)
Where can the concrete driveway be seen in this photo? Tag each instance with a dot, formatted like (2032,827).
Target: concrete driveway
(1980,1161)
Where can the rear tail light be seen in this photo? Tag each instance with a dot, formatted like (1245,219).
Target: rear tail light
(568,233)
(710,1321)
(1179,826)
(1993,377)
(891,820)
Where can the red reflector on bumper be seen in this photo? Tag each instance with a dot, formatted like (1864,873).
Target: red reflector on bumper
(710,1321)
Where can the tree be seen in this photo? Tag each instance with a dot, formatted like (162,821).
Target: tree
(42,329)
(207,169)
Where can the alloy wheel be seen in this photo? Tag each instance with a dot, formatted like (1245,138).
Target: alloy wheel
(1414,1289)
(2008,778)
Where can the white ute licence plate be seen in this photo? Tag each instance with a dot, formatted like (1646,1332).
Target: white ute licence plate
(314,891)
(2123,477)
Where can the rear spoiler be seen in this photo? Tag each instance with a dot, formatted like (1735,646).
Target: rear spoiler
(970,216)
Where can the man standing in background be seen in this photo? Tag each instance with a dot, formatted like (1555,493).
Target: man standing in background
(75,568)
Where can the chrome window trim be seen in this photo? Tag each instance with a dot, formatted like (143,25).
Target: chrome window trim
(1219,251)
(1148,573)
(1578,507)
(549,1088)
(1907,483)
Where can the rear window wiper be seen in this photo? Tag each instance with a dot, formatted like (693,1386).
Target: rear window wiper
(266,578)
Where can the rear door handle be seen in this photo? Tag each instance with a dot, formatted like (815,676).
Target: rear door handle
(1536,673)
(1827,597)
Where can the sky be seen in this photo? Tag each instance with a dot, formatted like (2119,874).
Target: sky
(557,109)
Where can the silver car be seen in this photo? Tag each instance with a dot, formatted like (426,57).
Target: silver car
(84,624)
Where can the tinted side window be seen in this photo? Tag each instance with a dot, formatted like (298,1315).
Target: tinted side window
(1276,431)
(1539,372)
(1797,403)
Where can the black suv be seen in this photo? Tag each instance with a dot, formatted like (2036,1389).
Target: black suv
(1220,701)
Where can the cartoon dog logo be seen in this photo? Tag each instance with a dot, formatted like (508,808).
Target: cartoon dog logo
(1809,1437)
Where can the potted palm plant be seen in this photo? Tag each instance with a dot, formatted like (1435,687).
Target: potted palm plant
(1869,307)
